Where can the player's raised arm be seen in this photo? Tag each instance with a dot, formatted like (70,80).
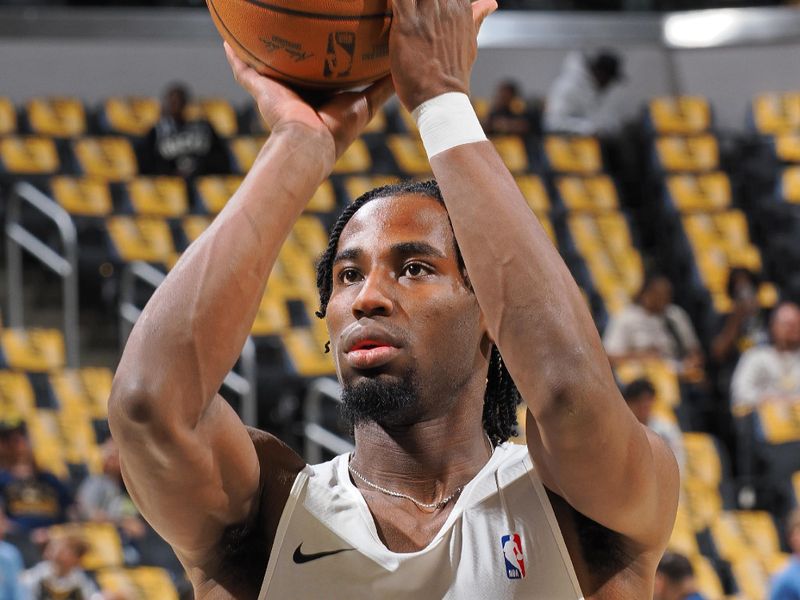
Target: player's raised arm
(586,443)
(187,459)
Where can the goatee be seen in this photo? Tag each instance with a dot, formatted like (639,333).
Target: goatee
(385,401)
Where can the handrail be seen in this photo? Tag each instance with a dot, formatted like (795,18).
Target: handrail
(64,265)
(317,437)
(243,384)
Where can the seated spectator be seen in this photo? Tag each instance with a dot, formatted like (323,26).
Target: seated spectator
(641,397)
(771,372)
(33,498)
(60,575)
(508,113)
(786,584)
(178,146)
(653,327)
(675,579)
(742,328)
(10,566)
(578,101)
(104,498)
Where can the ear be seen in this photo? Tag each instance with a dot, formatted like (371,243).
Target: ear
(486,339)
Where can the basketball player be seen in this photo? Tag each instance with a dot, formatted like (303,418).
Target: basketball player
(430,305)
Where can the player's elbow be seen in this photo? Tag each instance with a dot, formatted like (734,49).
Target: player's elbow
(130,402)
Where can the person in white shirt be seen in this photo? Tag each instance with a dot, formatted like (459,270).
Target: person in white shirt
(579,101)
(771,372)
(60,575)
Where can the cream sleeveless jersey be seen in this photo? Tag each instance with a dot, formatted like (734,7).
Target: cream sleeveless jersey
(500,541)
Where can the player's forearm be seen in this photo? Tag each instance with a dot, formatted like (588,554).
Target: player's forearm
(534,310)
(193,329)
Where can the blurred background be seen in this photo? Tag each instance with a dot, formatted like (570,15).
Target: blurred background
(657,141)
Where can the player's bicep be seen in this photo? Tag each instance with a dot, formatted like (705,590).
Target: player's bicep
(190,483)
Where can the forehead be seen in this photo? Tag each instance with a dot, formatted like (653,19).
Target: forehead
(787,313)
(404,217)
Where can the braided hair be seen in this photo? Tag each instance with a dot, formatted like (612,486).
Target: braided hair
(501,397)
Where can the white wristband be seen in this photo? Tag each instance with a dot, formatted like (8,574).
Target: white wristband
(446,121)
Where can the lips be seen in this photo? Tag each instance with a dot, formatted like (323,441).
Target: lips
(370,349)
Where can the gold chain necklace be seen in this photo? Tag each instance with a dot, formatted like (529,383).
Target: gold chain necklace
(422,505)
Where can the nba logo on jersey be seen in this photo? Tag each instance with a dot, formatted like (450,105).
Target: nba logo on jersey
(512,553)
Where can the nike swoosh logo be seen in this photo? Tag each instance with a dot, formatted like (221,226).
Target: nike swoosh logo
(299,558)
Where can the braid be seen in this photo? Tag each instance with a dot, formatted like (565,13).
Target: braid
(501,397)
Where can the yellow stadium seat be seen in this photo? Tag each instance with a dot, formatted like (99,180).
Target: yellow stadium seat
(776,112)
(707,579)
(194,225)
(790,185)
(215,190)
(759,530)
(780,421)
(17,399)
(306,354)
(109,158)
(512,150)
(272,317)
(683,538)
(29,155)
(704,192)
(45,436)
(688,154)
(33,349)
(409,153)
(750,576)
(324,199)
(218,112)
(702,459)
(140,583)
(408,121)
(595,194)
(681,115)
(311,235)
(82,197)
(579,155)
(141,238)
(535,193)
(131,115)
(56,116)
(787,147)
(8,117)
(105,547)
(356,159)
(245,149)
(89,386)
(358,185)
(158,196)
(728,538)
(703,503)
(660,373)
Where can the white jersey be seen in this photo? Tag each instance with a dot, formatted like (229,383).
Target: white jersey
(500,541)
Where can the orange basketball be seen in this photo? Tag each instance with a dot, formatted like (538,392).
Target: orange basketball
(322,44)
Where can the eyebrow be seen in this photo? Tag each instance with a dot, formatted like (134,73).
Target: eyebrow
(401,248)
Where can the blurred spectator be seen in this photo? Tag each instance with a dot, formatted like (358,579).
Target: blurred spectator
(33,498)
(104,498)
(744,326)
(508,113)
(771,372)
(178,146)
(653,327)
(10,566)
(675,579)
(578,101)
(60,575)
(641,398)
(786,584)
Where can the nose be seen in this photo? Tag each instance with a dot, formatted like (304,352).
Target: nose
(373,298)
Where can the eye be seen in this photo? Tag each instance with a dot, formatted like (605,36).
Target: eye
(349,275)
(415,269)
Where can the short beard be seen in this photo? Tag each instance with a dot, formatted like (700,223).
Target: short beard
(387,403)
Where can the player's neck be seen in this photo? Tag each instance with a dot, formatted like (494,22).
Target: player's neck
(425,460)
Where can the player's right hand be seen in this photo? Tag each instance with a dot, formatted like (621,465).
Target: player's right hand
(339,121)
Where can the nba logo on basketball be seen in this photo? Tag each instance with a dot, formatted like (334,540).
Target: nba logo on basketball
(512,552)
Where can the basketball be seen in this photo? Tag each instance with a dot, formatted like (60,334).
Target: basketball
(318,44)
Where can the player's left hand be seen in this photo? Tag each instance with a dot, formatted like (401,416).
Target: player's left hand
(433,45)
